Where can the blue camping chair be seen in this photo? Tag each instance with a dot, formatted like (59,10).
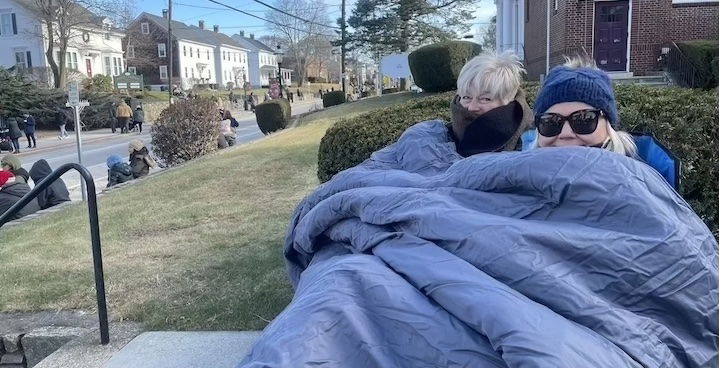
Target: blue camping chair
(650,150)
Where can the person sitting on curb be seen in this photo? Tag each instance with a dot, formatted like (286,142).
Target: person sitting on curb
(11,191)
(11,163)
(118,172)
(53,195)
(140,159)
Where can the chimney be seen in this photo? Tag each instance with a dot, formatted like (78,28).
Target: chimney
(216,28)
(164,13)
(242,34)
(202,24)
(252,36)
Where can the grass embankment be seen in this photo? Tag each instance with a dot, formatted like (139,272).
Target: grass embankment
(198,247)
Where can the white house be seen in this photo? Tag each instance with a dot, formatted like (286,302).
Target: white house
(262,61)
(94,48)
(200,56)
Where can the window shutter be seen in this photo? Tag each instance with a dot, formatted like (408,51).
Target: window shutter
(14,24)
(29,59)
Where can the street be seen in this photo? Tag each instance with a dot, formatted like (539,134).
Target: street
(98,145)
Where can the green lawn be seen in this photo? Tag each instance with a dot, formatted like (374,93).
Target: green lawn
(198,247)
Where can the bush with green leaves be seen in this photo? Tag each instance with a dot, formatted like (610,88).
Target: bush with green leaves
(98,83)
(436,67)
(701,53)
(333,98)
(273,115)
(685,120)
(715,68)
(185,130)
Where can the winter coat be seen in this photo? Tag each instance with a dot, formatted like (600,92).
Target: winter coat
(11,194)
(119,173)
(56,193)
(124,111)
(15,131)
(30,125)
(139,116)
(60,118)
(141,162)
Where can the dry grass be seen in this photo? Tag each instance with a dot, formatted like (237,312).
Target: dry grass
(199,247)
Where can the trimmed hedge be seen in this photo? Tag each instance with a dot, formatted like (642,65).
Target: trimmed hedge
(715,68)
(333,98)
(273,115)
(436,67)
(702,53)
(685,120)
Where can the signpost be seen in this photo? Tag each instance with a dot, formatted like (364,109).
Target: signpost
(73,100)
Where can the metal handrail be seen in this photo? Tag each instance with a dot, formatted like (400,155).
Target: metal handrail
(682,68)
(94,233)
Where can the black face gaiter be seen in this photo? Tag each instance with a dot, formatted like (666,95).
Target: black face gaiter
(489,132)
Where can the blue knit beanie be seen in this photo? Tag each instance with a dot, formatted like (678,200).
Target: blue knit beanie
(113,160)
(588,85)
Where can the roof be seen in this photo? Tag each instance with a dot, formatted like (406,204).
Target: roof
(182,31)
(252,43)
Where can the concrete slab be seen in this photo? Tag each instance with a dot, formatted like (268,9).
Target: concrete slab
(41,342)
(223,349)
(86,351)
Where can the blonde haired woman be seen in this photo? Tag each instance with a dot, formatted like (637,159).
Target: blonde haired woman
(489,112)
(576,107)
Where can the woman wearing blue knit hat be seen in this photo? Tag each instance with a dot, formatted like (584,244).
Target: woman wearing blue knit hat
(576,107)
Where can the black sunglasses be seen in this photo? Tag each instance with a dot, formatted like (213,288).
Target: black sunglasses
(550,124)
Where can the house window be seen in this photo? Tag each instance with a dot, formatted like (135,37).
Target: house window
(526,12)
(693,1)
(192,72)
(130,51)
(116,66)
(132,70)
(198,53)
(161,50)
(556,5)
(184,50)
(163,71)
(71,60)
(209,74)
(8,24)
(185,72)
(21,60)
(107,36)
(190,51)
(108,66)
(145,28)
(208,54)
(223,55)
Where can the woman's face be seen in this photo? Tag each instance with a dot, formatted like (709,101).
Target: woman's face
(479,104)
(567,137)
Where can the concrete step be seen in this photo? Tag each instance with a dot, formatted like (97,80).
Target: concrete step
(644,80)
(200,349)
(86,351)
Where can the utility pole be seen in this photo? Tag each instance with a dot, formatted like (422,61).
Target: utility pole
(342,46)
(169,45)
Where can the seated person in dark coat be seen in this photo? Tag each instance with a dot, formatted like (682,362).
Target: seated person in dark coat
(56,193)
(11,192)
(118,171)
(11,163)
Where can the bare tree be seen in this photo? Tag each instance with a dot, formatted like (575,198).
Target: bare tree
(300,34)
(63,22)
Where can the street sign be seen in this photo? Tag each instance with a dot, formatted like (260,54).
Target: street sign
(73,93)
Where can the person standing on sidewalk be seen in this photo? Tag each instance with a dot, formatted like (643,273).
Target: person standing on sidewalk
(15,133)
(113,116)
(61,121)
(139,117)
(124,114)
(30,130)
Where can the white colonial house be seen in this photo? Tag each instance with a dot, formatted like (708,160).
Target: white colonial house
(95,46)
(262,61)
(200,57)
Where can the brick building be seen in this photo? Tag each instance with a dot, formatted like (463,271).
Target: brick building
(624,37)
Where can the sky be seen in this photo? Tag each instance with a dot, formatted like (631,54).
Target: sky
(231,22)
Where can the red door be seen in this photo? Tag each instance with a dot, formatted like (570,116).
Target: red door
(611,22)
(88,64)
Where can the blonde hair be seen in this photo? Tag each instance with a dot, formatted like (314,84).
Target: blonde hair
(580,61)
(498,75)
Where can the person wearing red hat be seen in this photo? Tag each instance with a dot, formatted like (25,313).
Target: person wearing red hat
(11,191)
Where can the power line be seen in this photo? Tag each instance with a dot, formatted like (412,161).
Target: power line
(294,16)
(267,20)
(256,11)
